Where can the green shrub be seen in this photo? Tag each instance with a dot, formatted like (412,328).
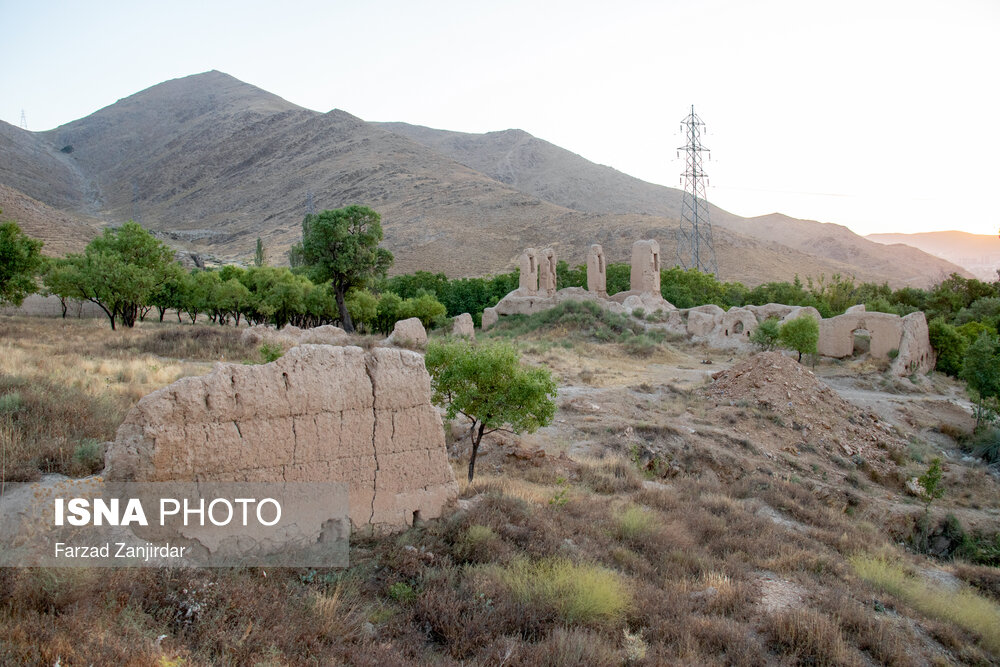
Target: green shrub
(270,352)
(767,334)
(949,345)
(986,445)
(636,523)
(88,457)
(800,334)
(577,593)
(402,592)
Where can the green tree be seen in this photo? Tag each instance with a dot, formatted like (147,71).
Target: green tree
(767,335)
(120,271)
(981,371)
(425,307)
(801,335)
(931,484)
(389,305)
(949,345)
(20,261)
(342,247)
(363,307)
(489,386)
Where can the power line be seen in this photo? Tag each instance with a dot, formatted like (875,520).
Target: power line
(695,249)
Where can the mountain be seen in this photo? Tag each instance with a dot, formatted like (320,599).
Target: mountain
(61,231)
(556,175)
(977,253)
(211,163)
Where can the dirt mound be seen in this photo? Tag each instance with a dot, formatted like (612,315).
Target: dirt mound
(793,397)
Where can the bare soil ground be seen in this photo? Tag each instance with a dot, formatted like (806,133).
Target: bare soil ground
(664,517)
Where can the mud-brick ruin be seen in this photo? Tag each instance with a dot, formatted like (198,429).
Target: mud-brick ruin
(321,413)
(882,336)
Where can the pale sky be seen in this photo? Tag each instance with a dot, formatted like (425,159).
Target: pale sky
(882,116)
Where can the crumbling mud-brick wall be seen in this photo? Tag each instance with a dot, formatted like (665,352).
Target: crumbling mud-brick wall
(320,413)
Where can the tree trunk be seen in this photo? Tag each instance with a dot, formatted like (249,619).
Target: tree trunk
(163,310)
(62,302)
(476,439)
(345,317)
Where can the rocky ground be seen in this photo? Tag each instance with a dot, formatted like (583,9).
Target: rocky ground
(689,506)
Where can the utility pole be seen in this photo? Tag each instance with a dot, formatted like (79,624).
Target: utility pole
(694,236)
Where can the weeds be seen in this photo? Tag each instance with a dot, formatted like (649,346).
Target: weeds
(576,593)
(963,608)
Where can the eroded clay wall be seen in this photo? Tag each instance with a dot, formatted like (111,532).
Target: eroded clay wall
(320,413)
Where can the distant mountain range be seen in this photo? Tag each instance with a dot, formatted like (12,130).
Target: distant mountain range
(978,253)
(211,163)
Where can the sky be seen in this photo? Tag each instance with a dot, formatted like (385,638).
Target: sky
(876,114)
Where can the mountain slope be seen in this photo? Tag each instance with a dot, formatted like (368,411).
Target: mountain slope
(554,174)
(61,231)
(212,163)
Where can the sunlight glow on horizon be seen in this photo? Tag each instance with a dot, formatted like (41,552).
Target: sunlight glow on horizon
(877,116)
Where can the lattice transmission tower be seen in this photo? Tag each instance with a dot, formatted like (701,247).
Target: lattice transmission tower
(694,236)
(24,121)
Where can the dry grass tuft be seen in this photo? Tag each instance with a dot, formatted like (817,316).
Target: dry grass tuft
(964,608)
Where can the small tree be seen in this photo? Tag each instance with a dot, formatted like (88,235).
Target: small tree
(20,260)
(801,335)
(981,370)
(949,345)
(767,334)
(120,271)
(489,386)
(341,247)
(931,484)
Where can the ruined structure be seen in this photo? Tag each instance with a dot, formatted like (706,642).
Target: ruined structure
(547,277)
(528,285)
(463,326)
(409,332)
(597,271)
(885,336)
(881,335)
(321,413)
(645,275)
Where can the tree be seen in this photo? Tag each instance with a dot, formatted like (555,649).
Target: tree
(949,345)
(767,334)
(981,371)
(387,312)
(120,271)
(488,385)
(931,484)
(20,260)
(363,307)
(425,307)
(801,335)
(341,247)
(260,254)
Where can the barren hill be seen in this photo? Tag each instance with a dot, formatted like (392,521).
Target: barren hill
(62,231)
(212,163)
(554,174)
(978,253)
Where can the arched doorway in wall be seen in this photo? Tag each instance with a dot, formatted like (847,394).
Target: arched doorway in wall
(862,341)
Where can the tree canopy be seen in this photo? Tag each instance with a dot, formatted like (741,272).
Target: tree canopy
(120,271)
(342,247)
(801,335)
(487,384)
(20,260)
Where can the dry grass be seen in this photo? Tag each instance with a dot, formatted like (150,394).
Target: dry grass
(964,608)
(560,560)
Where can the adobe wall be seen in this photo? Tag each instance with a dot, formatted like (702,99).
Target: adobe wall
(320,413)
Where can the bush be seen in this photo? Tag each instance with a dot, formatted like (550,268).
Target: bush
(949,345)
(986,445)
(801,335)
(577,593)
(767,334)
(270,352)
(636,523)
